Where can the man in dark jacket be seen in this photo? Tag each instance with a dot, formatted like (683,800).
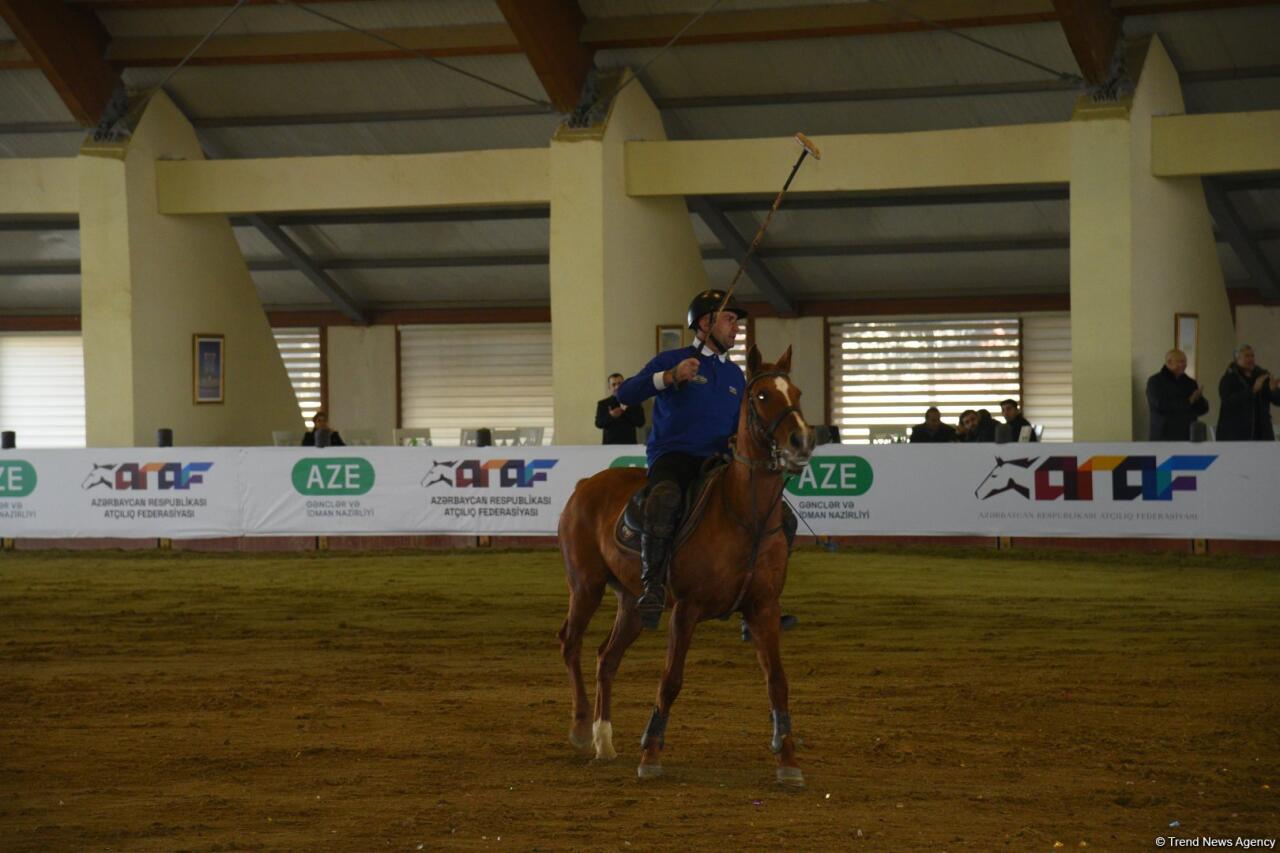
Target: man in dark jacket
(1013,417)
(619,422)
(1174,399)
(320,435)
(933,430)
(981,428)
(1247,393)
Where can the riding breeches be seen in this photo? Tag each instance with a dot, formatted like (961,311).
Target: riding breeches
(669,478)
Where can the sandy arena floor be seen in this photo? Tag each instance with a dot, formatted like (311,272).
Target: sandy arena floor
(317,702)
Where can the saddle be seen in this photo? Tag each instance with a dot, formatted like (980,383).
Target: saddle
(630,522)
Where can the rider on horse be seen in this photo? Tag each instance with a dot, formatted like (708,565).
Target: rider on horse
(699,393)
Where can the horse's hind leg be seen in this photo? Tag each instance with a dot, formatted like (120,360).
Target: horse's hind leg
(584,598)
(684,619)
(765,630)
(626,627)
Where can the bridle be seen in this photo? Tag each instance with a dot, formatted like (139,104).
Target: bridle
(773,463)
(763,434)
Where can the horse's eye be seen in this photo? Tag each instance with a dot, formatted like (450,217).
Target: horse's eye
(760,396)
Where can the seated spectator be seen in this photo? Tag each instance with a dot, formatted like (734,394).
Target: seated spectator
(1175,400)
(1013,417)
(618,421)
(1247,393)
(966,425)
(983,430)
(320,435)
(933,430)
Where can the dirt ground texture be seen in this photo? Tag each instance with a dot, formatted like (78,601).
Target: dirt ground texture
(946,701)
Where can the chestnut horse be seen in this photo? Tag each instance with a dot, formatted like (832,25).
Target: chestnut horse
(736,560)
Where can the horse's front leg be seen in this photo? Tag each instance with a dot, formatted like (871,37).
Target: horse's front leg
(684,618)
(765,630)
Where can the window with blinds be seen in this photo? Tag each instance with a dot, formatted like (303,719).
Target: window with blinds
(300,349)
(738,355)
(885,373)
(1046,373)
(42,388)
(471,376)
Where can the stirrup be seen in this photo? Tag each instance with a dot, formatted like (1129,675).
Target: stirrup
(650,608)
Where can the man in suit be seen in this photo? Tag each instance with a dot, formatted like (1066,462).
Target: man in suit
(321,435)
(618,421)
(1175,400)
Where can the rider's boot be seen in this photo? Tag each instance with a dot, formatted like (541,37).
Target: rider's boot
(655,554)
(660,510)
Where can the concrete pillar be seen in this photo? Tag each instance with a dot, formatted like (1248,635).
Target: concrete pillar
(1142,250)
(620,266)
(362,379)
(149,282)
(808,357)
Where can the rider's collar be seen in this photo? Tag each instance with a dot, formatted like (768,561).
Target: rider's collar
(705,349)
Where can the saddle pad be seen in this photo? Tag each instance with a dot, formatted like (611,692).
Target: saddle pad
(627,535)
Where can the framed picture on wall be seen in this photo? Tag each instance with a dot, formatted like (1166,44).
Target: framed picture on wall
(208,368)
(1186,337)
(670,337)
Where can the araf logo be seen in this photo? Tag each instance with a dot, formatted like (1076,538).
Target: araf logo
(1132,477)
(332,476)
(1004,477)
(500,473)
(441,472)
(135,476)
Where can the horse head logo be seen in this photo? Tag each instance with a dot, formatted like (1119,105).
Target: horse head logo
(440,472)
(1006,472)
(99,476)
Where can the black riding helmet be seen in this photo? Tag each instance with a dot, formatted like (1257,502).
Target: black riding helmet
(708,301)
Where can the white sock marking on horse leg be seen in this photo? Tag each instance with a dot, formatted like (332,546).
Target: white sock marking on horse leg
(602,737)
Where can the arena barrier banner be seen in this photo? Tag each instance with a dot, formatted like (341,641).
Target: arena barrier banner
(1227,490)
(174,492)
(488,491)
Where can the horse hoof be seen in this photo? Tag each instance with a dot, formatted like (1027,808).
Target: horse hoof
(649,771)
(579,740)
(790,777)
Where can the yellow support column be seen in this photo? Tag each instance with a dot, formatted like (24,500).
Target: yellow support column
(620,266)
(1142,250)
(149,282)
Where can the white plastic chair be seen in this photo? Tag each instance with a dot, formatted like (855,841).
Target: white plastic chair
(286,438)
(358,437)
(413,437)
(530,436)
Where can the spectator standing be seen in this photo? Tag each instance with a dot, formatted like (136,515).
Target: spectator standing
(1247,393)
(1174,399)
(618,421)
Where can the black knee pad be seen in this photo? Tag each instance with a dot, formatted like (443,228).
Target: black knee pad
(661,508)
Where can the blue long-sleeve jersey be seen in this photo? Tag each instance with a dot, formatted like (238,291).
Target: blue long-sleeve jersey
(697,418)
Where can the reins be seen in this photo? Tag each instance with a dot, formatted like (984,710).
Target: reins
(771,464)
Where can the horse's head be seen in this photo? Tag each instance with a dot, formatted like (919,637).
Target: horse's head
(772,429)
(1003,477)
(99,476)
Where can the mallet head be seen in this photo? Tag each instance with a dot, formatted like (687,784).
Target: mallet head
(807,144)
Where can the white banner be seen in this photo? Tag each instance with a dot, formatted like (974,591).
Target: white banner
(1226,490)
(463,490)
(175,492)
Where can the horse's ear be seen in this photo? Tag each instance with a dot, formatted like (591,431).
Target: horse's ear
(784,363)
(753,359)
